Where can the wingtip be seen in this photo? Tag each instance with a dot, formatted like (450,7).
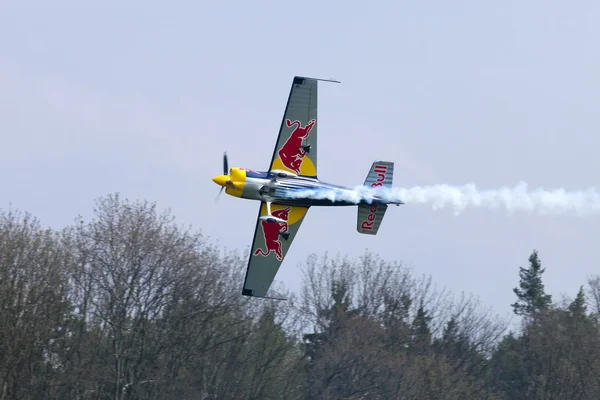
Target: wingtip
(332,80)
(250,293)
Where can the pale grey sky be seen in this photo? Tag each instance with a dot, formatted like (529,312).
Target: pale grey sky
(143,99)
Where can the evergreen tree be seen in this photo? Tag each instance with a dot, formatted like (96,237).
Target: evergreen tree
(421,330)
(333,318)
(509,375)
(530,294)
(578,308)
(453,343)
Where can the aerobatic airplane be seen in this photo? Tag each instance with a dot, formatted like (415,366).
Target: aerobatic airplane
(288,188)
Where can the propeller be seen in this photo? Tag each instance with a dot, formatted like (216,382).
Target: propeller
(225,172)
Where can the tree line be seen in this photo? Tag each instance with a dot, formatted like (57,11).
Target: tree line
(132,305)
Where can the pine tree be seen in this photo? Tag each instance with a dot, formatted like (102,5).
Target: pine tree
(530,294)
(421,330)
(333,318)
(577,308)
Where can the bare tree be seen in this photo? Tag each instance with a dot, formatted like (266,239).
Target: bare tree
(593,294)
(369,307)
(33,307)
(129,262)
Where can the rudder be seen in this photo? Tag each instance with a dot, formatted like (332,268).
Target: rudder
(380,174)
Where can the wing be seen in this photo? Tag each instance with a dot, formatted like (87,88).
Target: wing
(270,245)
(296,147)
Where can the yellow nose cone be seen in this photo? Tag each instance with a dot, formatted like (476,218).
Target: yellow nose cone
(220,180)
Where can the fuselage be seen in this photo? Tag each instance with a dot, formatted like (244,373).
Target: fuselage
(290,189)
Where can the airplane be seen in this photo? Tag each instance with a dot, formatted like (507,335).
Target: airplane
(287,189)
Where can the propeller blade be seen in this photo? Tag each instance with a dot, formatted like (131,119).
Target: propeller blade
(219,195)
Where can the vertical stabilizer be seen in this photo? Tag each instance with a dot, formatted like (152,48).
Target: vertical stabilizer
(380,174)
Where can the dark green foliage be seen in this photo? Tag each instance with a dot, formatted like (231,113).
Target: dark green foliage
(578,308)
(508,372)
(530,293)
(132,306)
(421,334)
(557,354)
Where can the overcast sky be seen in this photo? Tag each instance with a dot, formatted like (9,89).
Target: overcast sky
(143,99)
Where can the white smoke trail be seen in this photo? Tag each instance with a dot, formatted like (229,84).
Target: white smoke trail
(459,198)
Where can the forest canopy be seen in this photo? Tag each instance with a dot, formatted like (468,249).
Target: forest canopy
(131,305)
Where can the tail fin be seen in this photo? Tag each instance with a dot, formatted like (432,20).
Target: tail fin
(380,174)
(370,216)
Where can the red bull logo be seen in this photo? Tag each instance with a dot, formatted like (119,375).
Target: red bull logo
(381,171)
(271,233)
(291,152)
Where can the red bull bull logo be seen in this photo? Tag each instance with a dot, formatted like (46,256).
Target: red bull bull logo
(271,233)
(291,152)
